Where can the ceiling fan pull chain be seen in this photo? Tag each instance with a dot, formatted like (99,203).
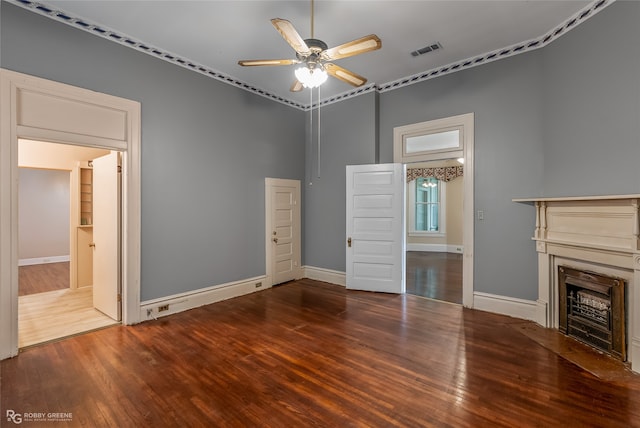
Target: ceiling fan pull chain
(318,130)
(311,135)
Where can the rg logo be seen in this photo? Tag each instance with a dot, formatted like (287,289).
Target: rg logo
(14,417)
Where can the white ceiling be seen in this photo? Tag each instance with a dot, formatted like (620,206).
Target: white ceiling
(216,34)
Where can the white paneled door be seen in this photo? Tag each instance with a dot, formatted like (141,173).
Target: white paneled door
(106,235)
(284,229)
(375,228)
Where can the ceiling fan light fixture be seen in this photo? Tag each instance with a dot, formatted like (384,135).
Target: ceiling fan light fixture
(311,77)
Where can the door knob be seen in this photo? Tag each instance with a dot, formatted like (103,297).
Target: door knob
(93,244)
(275,240)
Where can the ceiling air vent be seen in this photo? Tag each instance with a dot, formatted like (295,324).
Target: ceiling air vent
(427,49)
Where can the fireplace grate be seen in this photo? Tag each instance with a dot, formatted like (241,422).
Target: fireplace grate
(593,310)
(591,307)
(589,319)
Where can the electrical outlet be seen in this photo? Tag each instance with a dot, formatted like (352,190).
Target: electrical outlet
(258,284)
(163,308)
(480,215)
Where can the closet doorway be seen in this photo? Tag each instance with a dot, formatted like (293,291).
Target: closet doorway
(58,292)
(44,110)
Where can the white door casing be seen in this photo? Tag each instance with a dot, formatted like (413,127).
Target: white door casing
(375,228)
(43,110)
(106,235)
(283,229)
(464,123)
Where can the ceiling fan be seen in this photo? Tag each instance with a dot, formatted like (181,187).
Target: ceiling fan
(315,56)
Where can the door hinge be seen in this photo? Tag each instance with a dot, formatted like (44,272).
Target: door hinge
(119,297)
(119,169)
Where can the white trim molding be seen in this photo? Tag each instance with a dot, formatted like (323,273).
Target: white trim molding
(43,260)
(465,124)
(156,308)
(511,306)
(325,275)
(436,248)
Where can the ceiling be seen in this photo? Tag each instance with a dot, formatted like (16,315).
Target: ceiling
(214,35)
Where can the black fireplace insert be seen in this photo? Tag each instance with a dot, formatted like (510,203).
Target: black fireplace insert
(592,309)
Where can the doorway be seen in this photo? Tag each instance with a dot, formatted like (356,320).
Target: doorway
(283,230)
(56,216)
(434,241)
(445,140)
(40,109)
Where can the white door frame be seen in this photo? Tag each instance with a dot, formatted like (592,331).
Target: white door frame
(464,123)
(40,109)
(269,183)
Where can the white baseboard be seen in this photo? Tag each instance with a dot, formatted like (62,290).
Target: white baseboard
(43,260)
(150,309)
(326,275)
(436,248)
(634,354)
(518,308)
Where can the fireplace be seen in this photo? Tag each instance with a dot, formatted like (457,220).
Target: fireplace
(592,310)
(588,251)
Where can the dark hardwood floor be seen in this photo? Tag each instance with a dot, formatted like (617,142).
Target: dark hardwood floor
(435,275)
(308,353)
(35,279)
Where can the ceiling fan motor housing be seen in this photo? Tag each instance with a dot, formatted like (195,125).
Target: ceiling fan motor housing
(316,47)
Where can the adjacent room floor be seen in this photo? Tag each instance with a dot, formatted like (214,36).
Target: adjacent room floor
(55,314)
(435,275)
(48,309)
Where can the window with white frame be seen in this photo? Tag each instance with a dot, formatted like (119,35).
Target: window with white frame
(426,206)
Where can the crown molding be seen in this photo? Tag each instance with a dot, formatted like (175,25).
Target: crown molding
(130,42)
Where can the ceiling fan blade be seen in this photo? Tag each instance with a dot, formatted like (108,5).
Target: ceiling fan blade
(286,29)
(354,47)
(255,62)
(297,86)
(345,75)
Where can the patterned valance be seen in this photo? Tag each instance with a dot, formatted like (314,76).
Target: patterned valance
(443,173)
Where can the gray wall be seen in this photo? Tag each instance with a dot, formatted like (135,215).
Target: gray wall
(347,137)
(592,106)
(206,149)
(43,213)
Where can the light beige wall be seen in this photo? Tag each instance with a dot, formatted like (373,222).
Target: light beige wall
(46,212)
(43,214)
(454,197)
(38,154)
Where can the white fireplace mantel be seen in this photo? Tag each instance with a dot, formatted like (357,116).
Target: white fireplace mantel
(596,233)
